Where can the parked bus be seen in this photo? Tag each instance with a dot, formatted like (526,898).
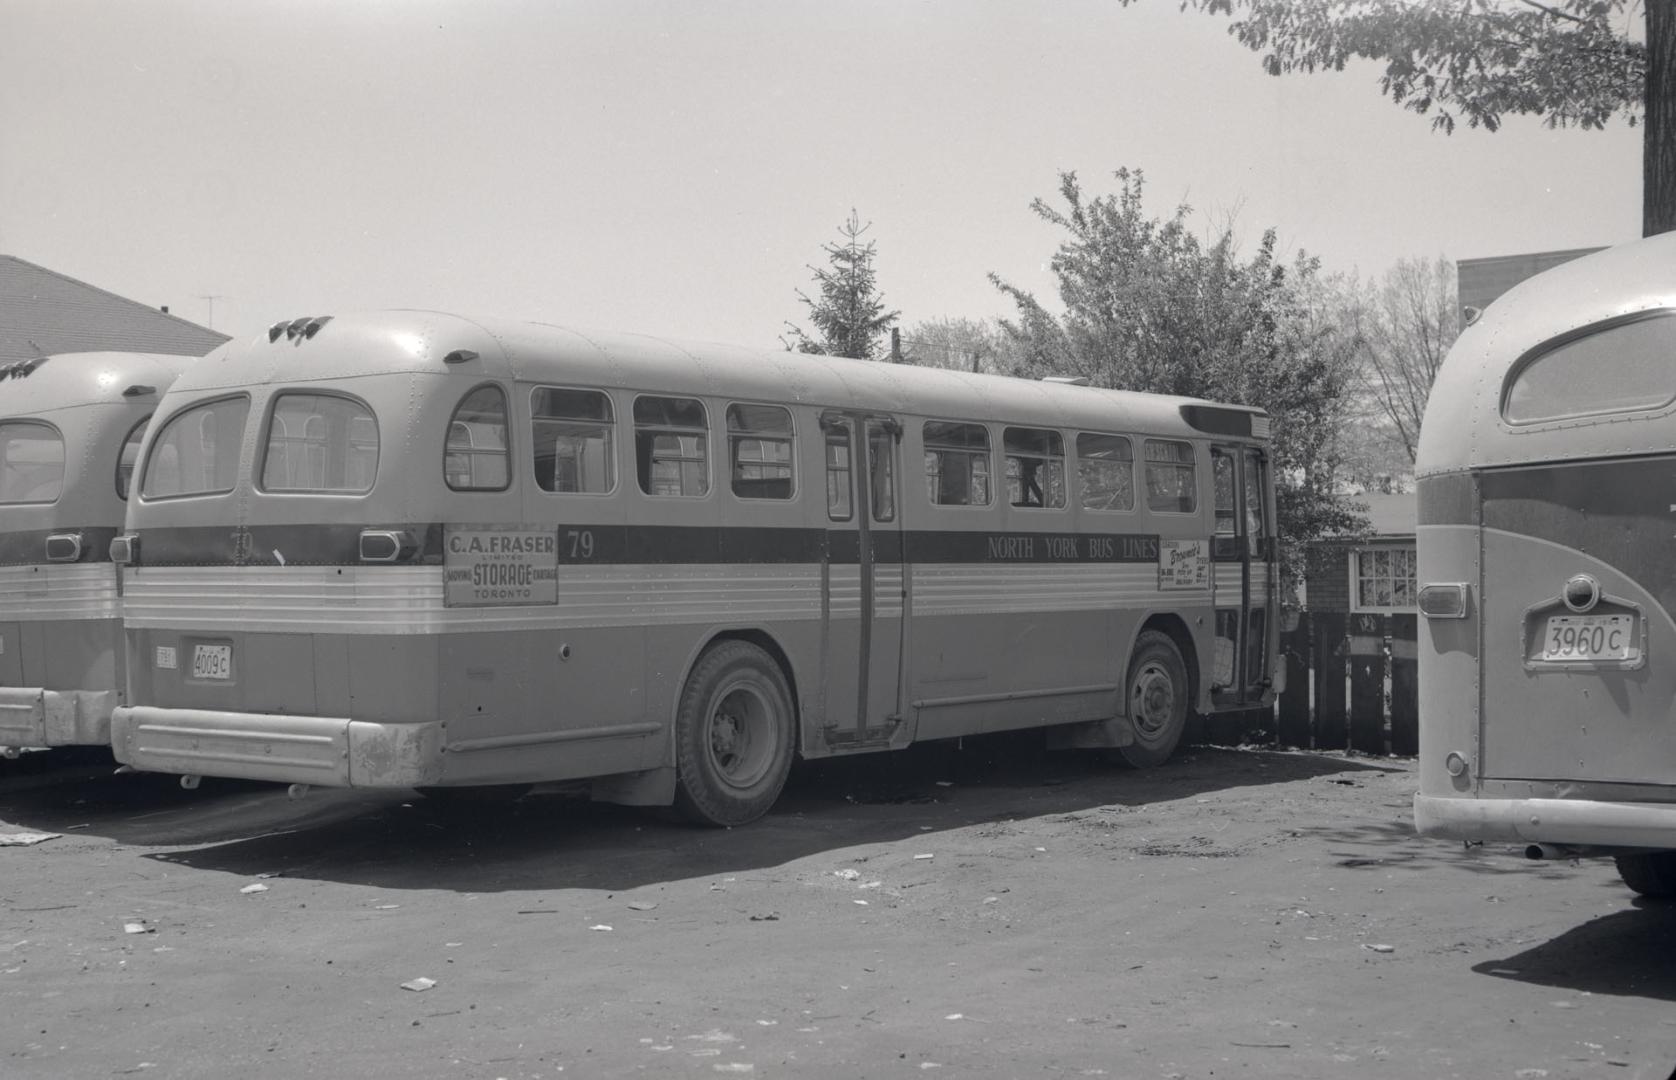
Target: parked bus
(1547,510)
(70,428)
(413,549)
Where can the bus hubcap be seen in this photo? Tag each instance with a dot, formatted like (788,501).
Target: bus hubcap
(740,738)
(1154,701)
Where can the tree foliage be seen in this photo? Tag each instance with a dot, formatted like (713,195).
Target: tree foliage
(1149,306)
(1404,326)
(849,314)
(960,344)
(1570,62)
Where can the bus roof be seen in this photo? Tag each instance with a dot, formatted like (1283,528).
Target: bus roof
(365,343)
(70,380)
(1464,425)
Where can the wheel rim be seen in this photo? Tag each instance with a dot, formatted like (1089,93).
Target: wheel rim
(740,736)
(1152,698)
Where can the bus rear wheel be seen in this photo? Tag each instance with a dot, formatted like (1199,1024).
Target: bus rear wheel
(1651,874)
(1157,695)
(734,736)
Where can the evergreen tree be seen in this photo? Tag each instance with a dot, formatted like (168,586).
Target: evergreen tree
(849,315)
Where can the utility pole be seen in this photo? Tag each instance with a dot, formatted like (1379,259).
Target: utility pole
(212,298)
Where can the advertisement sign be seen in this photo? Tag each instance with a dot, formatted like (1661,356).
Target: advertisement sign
(1184,564)
(493,565)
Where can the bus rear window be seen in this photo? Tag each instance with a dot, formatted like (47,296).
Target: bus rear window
(197,452)
(477,456)
(670,436)
(1171,478)
(320,443)
(31,462)
(1621,366)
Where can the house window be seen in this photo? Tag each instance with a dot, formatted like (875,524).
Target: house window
(1382,579)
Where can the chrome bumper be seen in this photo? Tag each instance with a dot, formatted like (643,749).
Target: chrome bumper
(1570,822)
(32,716)
(315,750)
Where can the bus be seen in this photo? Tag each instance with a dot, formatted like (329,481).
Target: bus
(70,428)
(1547,509)
(414,549)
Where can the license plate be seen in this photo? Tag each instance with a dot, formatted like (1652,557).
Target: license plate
(1589,637)
(212,661)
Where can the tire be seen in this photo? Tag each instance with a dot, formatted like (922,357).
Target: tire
(1157,695)
(1652,874)
(734,735)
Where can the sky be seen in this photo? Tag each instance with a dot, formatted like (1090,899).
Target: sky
(674,167)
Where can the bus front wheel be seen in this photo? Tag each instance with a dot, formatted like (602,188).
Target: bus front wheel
(1649,873)
(734,735)
(1157,694)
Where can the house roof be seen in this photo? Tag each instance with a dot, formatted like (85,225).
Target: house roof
(1391,515)
(43,312)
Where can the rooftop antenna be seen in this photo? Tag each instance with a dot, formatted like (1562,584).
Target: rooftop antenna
(212,298)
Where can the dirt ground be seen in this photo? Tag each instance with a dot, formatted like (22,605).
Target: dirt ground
(991,910)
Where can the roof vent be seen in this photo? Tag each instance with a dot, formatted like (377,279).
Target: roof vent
(459,356)
(139,390)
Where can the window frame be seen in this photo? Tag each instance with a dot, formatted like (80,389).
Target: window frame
(709,451)
(1354,569)
(929,448)
(613,441)
(152,444)
(259,475)
(1532,357)
(737,435)
(454,418)
(1192,463)
(1082,504)
(1008,456)
(63,459)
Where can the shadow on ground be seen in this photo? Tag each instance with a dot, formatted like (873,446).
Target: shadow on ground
(556,840)
(1625,953)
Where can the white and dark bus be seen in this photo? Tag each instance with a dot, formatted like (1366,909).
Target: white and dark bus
(1547,524)
(70,428)
(413,549)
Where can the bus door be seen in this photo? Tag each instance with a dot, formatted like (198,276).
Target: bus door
(862,580)
(1243,553)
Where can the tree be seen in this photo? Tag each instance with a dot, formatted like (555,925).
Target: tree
(1404,327)
(960,344)
(1571,62)
(1148,306)
(850,316)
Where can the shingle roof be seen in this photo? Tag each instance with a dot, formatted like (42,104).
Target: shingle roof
(43,312)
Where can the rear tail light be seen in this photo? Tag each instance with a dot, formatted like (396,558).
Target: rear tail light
(125,549)
(386,545)
(1444,601)
(64,547)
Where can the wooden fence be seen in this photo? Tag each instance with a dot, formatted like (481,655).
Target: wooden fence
(1351,684)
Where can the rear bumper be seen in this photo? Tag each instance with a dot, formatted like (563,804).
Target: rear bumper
(32,716)
(1570,822)
(316,750)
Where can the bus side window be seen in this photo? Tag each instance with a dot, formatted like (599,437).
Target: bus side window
(1171,477)
(1106,472)
(1222,476)
(670,436)
(572,445)
(956,463)
(125,461)
(839,484)
(759,441)
(881,441)
(1035,467)
(477,458)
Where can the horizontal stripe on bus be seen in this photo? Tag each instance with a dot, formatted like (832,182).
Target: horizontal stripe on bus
(58,591)
(339,545)
(28,547)
(409,600)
